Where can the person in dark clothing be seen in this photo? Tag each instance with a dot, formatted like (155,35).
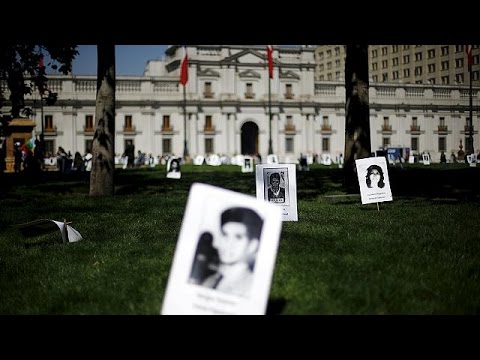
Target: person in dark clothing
(130,153)
(443,158)
(39,152)
(17,153)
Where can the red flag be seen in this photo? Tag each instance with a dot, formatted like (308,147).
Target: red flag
(468,50)
(270,61)
(184,70)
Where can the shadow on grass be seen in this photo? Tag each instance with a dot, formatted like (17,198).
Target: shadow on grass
(433,182)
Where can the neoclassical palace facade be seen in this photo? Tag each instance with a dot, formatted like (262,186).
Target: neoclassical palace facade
(228,108)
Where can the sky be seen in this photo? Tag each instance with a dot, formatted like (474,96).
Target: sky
(129,59)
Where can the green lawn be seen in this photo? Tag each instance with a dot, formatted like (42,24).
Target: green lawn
(419,254)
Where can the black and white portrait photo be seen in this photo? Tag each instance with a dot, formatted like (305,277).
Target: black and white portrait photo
(373,180)
(225,254)
(247,165)
(226,263)
(173,168)
(276,184)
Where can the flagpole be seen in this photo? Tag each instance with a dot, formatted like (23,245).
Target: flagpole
(185,151)
(41,112)
(270,148)
(470,122)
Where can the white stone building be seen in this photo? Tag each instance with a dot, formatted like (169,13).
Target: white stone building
(227,106)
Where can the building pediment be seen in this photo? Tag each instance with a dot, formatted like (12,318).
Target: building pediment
(289,75)
(208,73)
(249,74)
(247,56)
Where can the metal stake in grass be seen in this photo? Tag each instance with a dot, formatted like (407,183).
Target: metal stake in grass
(378,207)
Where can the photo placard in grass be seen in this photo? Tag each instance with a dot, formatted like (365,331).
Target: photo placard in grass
(277,184)
(373,180)
(426,159)
(173,168)
(247,165)
(272,159)
(225,254)
(472,160)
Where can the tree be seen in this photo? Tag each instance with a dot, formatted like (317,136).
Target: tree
(19,61)
(103,147)
(357,124)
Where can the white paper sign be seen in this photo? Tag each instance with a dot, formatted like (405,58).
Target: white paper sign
(173,168)
(213,160)
(472,159)
(277,184)
(225,254)
(272,159)
(426,159)
(42,226)
(247,165)
(198,160)
(326,159)
(373,180)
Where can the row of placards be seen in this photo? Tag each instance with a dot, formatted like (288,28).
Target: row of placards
(226,251)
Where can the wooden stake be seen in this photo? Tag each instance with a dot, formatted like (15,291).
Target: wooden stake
(378,207)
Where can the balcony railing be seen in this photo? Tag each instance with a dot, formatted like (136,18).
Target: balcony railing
(386,128)
(290,128)
(249,96)
(326,128)
(442,128)
(129,129)
(209,129)
(208,94)
(289,96)
(50,130)
(414,128)
(467,129)
(167,129)
(88,129)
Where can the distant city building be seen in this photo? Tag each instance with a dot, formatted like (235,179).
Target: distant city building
(404,64)
(227,107)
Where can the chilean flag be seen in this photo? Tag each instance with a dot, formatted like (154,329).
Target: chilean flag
(270,61)
(184,70)
(468,50)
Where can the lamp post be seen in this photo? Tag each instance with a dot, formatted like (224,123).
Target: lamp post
(470,119)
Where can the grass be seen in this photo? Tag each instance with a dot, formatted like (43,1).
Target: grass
(419,254)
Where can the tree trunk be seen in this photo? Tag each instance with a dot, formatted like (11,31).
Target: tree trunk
(103,147)
(357,124)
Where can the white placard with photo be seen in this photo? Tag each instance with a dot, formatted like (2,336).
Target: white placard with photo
(411,159)
(225,254)
(272,159)
(373,180)
(247,165)
(426,159)
(472,159)
(277,184)
(173,168)
(326,159)
(213,160)
(198,160)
